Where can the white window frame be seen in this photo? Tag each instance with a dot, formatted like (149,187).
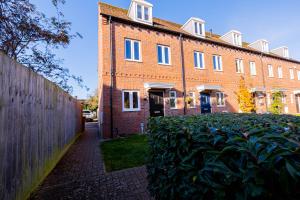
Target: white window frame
(131,109)
(265,46)
(270,71)
(198,53)
(280,72)
(200,28)
(217,98)
(219,64)
(298,75)
(132,50)
(163,54)
(174,97)
(237,39)
(143,13)
(239,66)
(292,75)
(192,95)
(252,68)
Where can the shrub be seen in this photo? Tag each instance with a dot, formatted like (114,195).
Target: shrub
(277,105)
(224,156)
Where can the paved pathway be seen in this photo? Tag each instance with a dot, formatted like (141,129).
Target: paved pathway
(80,175)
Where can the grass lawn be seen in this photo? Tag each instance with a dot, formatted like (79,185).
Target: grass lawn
(125,153)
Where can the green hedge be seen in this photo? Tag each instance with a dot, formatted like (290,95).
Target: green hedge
(224,156)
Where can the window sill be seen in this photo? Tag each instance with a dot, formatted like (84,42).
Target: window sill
(131,110)
(221,106)
(218,70)
(173,108)
(138,61)
(197,68)
(165,64)
(253,74)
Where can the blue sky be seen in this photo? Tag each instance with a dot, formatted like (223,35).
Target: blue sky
(277,21)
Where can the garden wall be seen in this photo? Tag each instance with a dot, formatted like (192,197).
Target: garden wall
(38,122)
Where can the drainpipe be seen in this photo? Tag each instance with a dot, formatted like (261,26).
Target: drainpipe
(111,78)
(183,73)
(264,80)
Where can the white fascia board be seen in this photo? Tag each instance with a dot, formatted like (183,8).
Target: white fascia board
(193,19)
(282,47)
(260,40)
(230,32)
(145,3)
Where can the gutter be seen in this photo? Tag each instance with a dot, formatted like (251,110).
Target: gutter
(111,78)
(183,73)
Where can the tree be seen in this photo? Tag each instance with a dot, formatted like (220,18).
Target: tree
(245,98)
(92,102)
(276,105)
(30,37)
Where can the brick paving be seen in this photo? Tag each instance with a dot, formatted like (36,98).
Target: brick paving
(80,175)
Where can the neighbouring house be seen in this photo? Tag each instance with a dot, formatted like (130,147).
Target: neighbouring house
(151,67)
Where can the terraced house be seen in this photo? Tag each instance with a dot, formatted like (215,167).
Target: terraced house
(153,67)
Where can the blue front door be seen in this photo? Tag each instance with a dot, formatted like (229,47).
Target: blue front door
(205,103)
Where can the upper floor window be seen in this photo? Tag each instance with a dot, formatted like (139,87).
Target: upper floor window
(239,66)
(173,99)
(142,13)
(265,46)
(252,68)
(270,71)
(220,99)
(164,55)
(199,60)
(286,52)
(217,62)
(298,75)
(280,74)
(132,50)
(237,39)
(131,100)
(292,74)
(198,28)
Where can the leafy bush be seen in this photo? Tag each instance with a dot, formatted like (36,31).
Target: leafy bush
(224,156)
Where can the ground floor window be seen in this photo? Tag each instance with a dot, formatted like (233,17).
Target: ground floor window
(131,100)
(192,100)
(220,99)
(173,99)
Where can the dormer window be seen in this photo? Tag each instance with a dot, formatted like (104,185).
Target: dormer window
(233,37)
(198,28)
(281,51)
(237,39)
(260,45)
(141,11)
(265,46)
(195,26)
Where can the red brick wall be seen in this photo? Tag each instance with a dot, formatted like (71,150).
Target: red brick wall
(133,75)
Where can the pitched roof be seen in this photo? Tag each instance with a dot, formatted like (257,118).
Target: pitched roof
(120,13)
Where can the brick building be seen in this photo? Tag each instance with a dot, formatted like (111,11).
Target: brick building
(152,67)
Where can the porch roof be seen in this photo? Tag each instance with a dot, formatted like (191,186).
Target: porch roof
(209,87)
(159,85)
(297,91)
(258,89)
(279,90)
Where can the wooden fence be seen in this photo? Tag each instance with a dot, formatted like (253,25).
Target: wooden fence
(38,122)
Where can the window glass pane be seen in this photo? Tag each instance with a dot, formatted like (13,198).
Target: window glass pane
(219,63)
(173,103)
(146,12)
(167,61)
(126,100)
(196,59)
(200,29)
(172,94)
(135,100)
(201,60)
(215,62)
(159,54)
(139,11)
(128,49)
(196,28)
(136,50)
